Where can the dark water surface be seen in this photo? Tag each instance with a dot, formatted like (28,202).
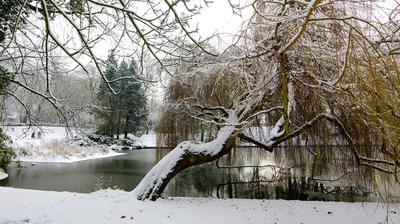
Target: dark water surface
(245,173)
(122,172)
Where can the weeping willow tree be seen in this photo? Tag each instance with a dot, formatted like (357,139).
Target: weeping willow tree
(319,71)
(178,122)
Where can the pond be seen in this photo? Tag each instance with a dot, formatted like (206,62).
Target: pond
(247,172)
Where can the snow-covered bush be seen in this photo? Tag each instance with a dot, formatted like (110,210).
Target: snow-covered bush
(6,153)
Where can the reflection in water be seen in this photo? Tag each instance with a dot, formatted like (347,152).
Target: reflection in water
(122,172)
(287,173)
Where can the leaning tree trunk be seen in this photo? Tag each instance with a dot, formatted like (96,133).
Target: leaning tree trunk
(185,155)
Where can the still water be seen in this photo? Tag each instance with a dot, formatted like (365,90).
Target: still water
(122,172)
(245,173)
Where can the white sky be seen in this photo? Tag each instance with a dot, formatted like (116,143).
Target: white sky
(219,18)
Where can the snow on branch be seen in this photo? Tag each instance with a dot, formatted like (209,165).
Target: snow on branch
(184,155)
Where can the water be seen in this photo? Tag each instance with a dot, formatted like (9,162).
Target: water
(122,172)
(245,173)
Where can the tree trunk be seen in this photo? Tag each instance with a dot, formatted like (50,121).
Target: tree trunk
(111,127)
(147,127)
(185,155)
(126,125)
(118,124)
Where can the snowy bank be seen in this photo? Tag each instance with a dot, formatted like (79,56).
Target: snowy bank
(51,144)
(23,137)
(3,175)
(53,157)
(110,206)
(148,140)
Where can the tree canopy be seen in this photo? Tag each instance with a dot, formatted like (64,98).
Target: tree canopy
(314,72)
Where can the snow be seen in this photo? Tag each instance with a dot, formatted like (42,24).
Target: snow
(275,133)
(214,147)
(21,135)
(3,175)
(144,141)
(291,93)
(53,146)
(148,140)
(154,178)
(111,206)
(53,158)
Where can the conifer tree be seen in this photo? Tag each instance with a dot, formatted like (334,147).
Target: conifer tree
(126,111)
(107,100)
(135,102)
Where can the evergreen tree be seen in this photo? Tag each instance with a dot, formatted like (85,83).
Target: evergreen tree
(125,112)
(9,11)
(134,99)
(107,100)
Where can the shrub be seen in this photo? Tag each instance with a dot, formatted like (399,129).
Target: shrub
(6,153)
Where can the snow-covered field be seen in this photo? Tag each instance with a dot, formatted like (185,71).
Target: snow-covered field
(109,206)
(53,145)
(3,175)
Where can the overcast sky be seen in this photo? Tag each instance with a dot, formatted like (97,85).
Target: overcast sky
(219,18)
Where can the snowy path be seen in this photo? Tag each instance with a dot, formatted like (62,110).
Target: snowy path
(28,206)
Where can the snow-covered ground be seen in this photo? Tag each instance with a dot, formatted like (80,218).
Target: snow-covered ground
(109,206)
(47,155)
(145,141)
(21,136)
(52,146)
(149,140)
(3,175)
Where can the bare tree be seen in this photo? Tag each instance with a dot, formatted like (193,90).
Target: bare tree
(79,33)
